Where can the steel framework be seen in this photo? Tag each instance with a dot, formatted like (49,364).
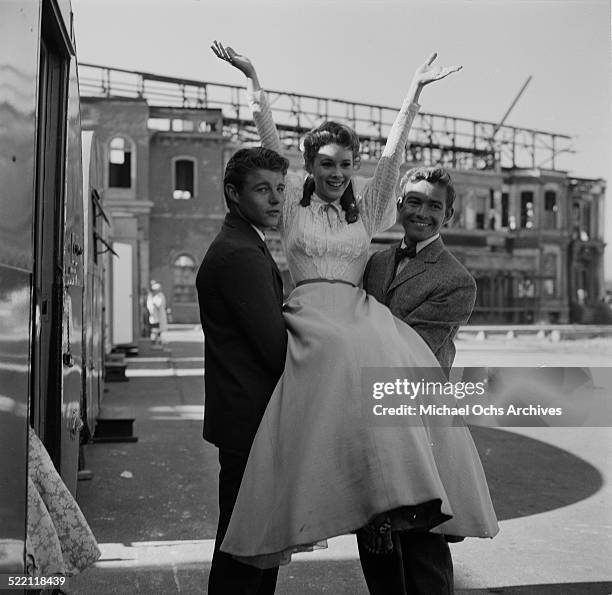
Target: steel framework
(459,143)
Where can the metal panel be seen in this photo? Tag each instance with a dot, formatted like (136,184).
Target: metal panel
(19,33)
(90,384)
(14,384)
(93,315)
(19,36)
(72,334)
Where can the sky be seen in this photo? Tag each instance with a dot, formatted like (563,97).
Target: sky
(367,51)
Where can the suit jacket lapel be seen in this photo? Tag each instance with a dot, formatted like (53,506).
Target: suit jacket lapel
(245,229)
(390,269)
(418,264)
(414,267)
(277,272)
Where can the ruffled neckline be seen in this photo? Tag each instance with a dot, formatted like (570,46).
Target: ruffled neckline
(318,204)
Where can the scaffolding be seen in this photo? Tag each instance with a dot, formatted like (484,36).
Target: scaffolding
(454,142)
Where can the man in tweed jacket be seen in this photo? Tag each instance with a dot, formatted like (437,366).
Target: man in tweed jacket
(431,291)
(423,284)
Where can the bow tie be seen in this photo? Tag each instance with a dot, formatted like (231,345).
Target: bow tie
(407,252)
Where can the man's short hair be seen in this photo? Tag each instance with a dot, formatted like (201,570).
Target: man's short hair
(434,175)
(245,161)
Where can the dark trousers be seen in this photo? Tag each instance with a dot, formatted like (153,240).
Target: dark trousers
(420,564)
(227,575)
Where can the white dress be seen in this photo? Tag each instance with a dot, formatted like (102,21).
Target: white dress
(318,466)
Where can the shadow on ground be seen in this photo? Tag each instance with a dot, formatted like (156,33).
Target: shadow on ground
(528,477)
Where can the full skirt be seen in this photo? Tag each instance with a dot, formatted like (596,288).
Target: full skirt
(321,465)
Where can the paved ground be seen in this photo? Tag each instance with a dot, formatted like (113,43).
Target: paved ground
(153,504)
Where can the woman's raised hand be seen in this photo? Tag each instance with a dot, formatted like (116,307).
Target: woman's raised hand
(427,73)
(237,60)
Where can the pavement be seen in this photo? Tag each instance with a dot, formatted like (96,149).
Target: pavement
(152,504)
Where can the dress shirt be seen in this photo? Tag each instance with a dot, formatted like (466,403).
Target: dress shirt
(259,232)
(420,245)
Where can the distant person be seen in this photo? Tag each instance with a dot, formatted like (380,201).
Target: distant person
(240,293)
(424,285)
(158,316)
(145,327)
(318,466)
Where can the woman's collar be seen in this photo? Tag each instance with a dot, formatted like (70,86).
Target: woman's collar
(320,203)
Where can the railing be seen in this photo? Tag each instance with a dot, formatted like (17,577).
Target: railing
(460,143)
(552,332)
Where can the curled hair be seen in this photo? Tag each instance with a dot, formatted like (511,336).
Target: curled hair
(245,161)
(434,175)
(332,133)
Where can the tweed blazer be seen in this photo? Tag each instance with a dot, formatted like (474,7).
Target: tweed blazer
(434,294)
(240,293)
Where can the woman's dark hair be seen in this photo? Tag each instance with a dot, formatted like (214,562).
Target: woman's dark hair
(330,133)
(245,161)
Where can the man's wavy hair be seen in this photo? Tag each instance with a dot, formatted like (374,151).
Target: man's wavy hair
(245,161)
(330,133)
(434,175)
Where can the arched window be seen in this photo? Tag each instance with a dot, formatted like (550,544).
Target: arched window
(120,163)
(183,176)
(184,272)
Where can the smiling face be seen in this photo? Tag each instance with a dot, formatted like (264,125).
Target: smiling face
(261,197)
(423,210)
(331,169)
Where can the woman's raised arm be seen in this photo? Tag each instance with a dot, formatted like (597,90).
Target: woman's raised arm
(379,193)
(262,114)
(426,74)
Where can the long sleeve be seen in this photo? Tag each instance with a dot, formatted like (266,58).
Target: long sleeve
(438,318)
(268,134)
(379,192)
(262,116)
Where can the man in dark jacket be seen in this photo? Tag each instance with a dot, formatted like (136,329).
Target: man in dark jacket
(240,295)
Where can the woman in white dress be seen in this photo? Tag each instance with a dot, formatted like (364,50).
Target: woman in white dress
(318,466)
